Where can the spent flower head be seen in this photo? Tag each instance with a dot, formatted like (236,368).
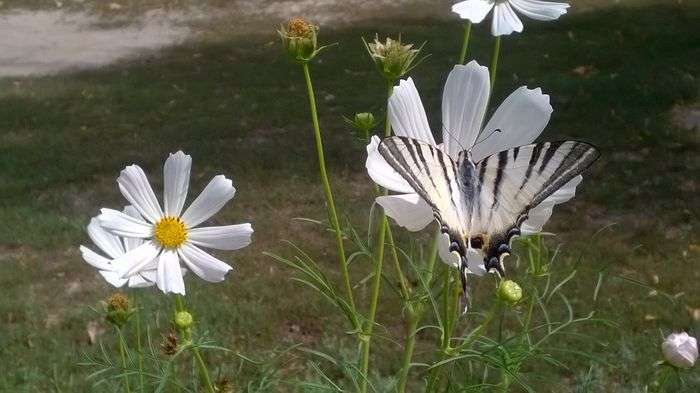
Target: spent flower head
(509,292)
(393,58)
(169,344)
(299,38)
(118,309)
(680,350)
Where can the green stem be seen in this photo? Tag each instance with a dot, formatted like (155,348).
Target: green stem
(139,348)
(377,279)
(332,214)
(494,61)
(201,365)
(415,315)
(465,42)
(122,355)
(448,324)
(203,371)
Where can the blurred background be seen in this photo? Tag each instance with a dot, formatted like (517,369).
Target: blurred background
(88,87)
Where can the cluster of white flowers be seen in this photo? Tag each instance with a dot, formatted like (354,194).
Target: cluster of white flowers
(145,244)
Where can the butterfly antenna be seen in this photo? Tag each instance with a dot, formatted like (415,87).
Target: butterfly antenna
(488,136)
(452,137)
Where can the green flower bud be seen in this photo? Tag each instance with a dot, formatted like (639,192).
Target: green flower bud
(183,320)
(299,39)
(118,309)
(392,58)
(363,124)
(509,292)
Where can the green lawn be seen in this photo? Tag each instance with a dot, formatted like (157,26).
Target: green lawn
(238,107)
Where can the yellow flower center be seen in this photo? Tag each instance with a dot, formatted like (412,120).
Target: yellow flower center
(170,232)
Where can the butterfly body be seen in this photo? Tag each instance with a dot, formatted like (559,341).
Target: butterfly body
(482,205)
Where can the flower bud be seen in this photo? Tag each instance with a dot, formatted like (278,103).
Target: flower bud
(363,124)
(118,309)
(392,58)
(183,320)
(680,350)
(509,292)
(299,39)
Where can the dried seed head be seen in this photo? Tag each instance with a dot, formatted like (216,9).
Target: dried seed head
(298,27)
(169,344)
(117,309)
(224,385)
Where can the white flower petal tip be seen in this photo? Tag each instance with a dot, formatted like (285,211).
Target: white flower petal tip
(204,265)
(381,172)
(215,195)
(540,10)
(505,21)
(135,187)
(407,114)
(473,10)
(230,237)
(475,262)
(409,210)
(169,275)
(464,101)
(680,350)
(176,180)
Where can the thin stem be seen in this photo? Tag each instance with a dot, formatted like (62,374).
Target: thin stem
(187,333)
(415,315)
(494,61)
(465,42)
(434,377)
(203,371)
(122,355)
(139,351)
(332,214)
(377,279)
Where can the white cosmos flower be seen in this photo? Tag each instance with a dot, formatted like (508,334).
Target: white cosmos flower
(115,247)
(680,349)
(169,235)
(520,118)
(505,20)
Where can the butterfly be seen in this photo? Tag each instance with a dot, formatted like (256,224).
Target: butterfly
(481,205)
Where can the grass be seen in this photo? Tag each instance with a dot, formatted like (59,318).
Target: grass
(238,107)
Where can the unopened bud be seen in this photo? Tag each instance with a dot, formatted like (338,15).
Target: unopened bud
(509,292)
(393,58)
(183,320)
(299,39)
(363,124)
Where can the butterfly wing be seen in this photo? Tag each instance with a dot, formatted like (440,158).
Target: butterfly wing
(512,182)
(433,175)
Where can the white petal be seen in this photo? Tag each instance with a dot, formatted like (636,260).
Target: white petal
(202,264)
(139,281)
(176,181)
(505,21)
(113,278)
(407,114)
(540,10)
(151,275)
(540,214)
(473,10)
(132,242)
(134,185)
(136,260)
(121,224)
(521,118)
(230,237)
(464,103)
(106,241)
(95,259)
(214,196)
(475,262)
(408,210)
(169,277)
(449,257)
(381,172)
